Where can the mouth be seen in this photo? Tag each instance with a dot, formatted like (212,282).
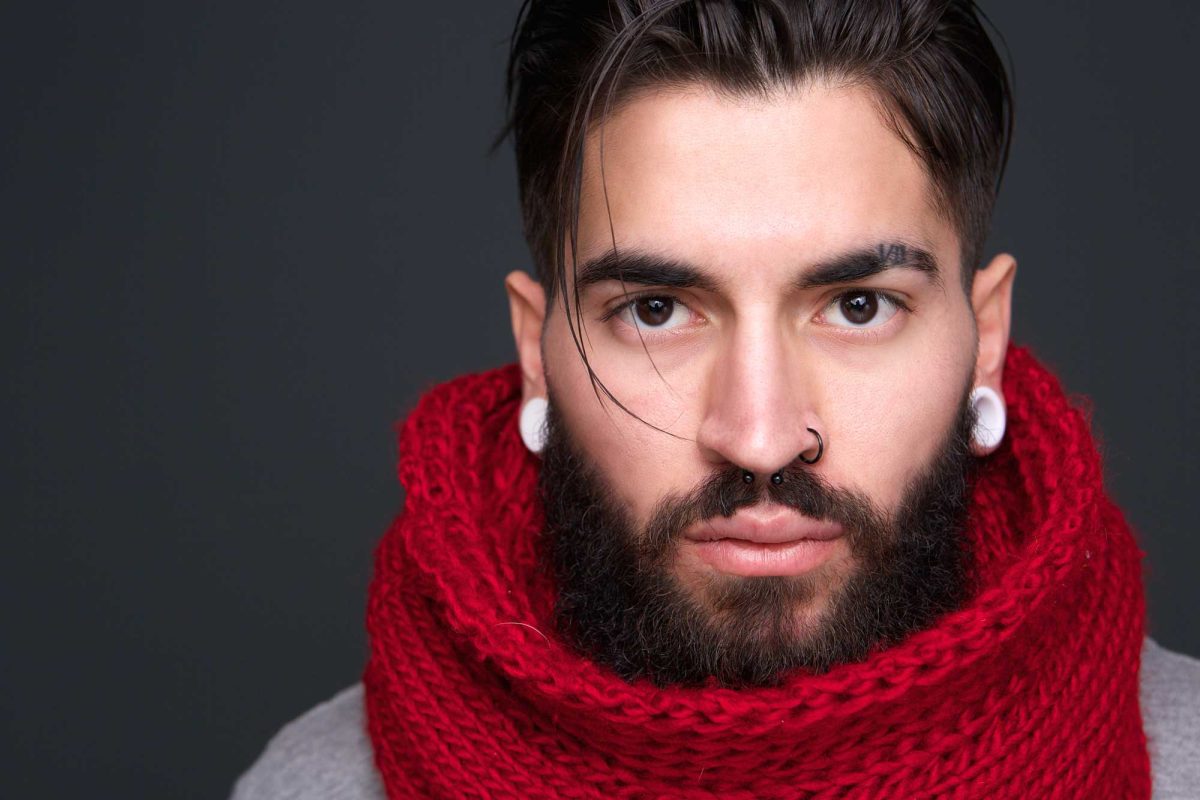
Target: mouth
(762,541)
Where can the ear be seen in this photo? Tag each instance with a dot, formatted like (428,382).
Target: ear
(527,306)
(991,297)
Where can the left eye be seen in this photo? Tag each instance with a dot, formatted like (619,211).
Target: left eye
(861,309)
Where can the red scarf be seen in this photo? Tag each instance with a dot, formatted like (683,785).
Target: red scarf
(1029,691)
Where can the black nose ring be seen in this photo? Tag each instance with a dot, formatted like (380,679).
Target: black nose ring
(777,477)
(820,449)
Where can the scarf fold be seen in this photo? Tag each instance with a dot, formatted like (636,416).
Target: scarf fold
(1030,690)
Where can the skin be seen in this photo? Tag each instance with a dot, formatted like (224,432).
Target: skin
(754,192)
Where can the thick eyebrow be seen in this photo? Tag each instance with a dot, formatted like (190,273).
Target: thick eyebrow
(858,265)
(642,268)
(650,269)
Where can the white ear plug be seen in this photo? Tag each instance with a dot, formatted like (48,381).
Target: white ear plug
(990,422)
(533,424)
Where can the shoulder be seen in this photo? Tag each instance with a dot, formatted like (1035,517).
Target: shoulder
(324,754)
(1170,698)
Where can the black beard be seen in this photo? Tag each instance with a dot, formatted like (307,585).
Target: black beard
(620,603)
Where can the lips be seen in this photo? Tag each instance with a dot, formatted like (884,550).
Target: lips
(763,541)
(764,525)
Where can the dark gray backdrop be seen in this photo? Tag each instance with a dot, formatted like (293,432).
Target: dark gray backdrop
(239,240)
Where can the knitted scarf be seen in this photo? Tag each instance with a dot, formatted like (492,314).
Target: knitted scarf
(1028,691)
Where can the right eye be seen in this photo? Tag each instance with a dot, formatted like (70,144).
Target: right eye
(653,312)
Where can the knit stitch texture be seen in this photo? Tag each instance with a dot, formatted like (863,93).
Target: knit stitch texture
(1029,690)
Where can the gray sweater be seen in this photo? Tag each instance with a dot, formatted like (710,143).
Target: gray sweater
(327,754)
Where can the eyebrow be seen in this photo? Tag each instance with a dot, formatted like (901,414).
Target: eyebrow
(645,268)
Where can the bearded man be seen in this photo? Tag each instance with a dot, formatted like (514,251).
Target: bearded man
(769,506)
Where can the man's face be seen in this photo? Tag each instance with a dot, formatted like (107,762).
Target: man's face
(802,277)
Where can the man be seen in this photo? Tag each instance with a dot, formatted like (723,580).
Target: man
(770,506)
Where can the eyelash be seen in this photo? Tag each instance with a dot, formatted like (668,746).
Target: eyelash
(630,299)
(895,299)
(872,332)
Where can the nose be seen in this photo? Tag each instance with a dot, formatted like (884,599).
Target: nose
(760,403)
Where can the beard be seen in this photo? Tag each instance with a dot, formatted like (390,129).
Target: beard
(620,602)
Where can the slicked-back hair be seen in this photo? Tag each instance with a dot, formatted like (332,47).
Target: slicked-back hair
(940,83)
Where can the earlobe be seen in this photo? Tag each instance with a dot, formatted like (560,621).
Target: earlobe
(991,418)
(991,300)
(527,308)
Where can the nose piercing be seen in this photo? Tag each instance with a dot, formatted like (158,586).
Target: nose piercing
(820,449)
(777,477)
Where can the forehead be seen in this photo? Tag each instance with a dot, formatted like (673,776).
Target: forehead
(737,182)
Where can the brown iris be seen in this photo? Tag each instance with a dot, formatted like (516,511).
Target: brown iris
(860,308)
(654,311)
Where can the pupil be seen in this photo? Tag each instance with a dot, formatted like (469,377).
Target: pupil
(860,308)
(654,310)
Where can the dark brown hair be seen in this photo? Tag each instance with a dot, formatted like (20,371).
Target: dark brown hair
(941,84)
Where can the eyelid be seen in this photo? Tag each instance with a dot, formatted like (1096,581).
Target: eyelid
(884,293)
(629,298)
(874,330)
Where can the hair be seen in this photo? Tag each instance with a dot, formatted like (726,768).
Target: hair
(940,83)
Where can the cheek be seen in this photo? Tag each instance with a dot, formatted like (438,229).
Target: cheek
(639,463)
(893,426)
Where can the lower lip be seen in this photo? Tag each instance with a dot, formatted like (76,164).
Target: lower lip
(740,557)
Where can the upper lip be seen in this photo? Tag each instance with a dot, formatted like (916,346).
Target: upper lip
(764,525)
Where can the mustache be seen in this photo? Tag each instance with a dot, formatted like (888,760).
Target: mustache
(725,491)
(803,490)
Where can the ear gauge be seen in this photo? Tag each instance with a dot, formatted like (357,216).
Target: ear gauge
(532,424)
(991,419)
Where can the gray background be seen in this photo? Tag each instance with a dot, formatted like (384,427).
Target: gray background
(239,240)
